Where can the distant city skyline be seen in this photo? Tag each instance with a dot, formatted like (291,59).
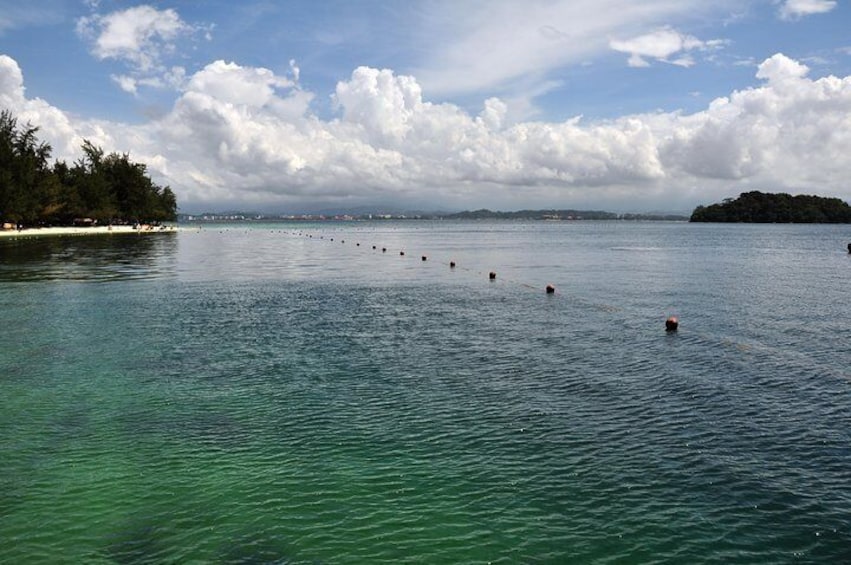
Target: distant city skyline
(436,105)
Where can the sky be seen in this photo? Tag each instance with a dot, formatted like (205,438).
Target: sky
(306,105)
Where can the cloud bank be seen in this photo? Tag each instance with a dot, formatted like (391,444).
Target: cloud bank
(245,137)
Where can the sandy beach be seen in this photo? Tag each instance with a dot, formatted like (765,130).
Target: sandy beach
(97,230)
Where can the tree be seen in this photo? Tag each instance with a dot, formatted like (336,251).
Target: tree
(27,186)
(99,186)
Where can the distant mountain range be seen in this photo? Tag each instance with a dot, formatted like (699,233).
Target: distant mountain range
(482,214)
(560,215)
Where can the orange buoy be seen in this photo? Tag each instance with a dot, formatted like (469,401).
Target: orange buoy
(671,324)
(492,275)
(551,289)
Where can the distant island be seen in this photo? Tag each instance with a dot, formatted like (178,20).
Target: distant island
(766,208)
(100,189)
(560,215)
(483,214)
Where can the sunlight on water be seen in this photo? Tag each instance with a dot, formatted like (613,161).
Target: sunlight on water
(261,393)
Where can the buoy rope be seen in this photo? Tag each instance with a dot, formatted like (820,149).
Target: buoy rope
(799,361)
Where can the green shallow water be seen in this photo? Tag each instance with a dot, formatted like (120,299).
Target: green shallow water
(258,396)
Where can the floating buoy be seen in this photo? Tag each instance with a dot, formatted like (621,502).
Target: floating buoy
(343,241)
(332,239)
(492,275)
(452,264)
(671,324)
(425,258)
(384,250)
(401,253)
(357,244)
(373,247)
(551,289)
(849,248)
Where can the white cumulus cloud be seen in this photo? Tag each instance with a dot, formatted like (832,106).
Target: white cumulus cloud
(662,45)
(141,37)
(231,83)
(794,9)
(382,103)
(11,82)
(779,68)
(789,133)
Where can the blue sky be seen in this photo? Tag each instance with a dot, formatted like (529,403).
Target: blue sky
(623,105)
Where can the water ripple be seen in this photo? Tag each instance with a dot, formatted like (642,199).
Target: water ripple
(308,413)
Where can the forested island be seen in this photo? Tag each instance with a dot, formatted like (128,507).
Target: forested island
(98,189)
(760,207)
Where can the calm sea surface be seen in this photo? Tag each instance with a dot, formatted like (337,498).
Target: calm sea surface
(277,393)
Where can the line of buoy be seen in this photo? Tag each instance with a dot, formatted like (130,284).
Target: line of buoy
(671,322)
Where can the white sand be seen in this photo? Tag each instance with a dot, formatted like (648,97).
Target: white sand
(108,230)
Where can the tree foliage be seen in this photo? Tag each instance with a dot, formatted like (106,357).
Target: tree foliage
(106,188)
(759,207)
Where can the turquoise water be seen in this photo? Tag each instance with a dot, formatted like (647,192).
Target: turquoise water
(280,394)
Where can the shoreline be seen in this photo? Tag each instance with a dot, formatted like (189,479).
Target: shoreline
(96,230)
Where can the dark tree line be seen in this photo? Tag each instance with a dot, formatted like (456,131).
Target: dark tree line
(759,207)
(106,188)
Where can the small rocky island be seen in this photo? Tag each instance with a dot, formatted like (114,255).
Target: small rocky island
(767,208)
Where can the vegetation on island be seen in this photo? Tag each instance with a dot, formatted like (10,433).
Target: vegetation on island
(102,188)
(760,207)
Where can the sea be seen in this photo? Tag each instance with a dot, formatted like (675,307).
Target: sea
(335,392)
